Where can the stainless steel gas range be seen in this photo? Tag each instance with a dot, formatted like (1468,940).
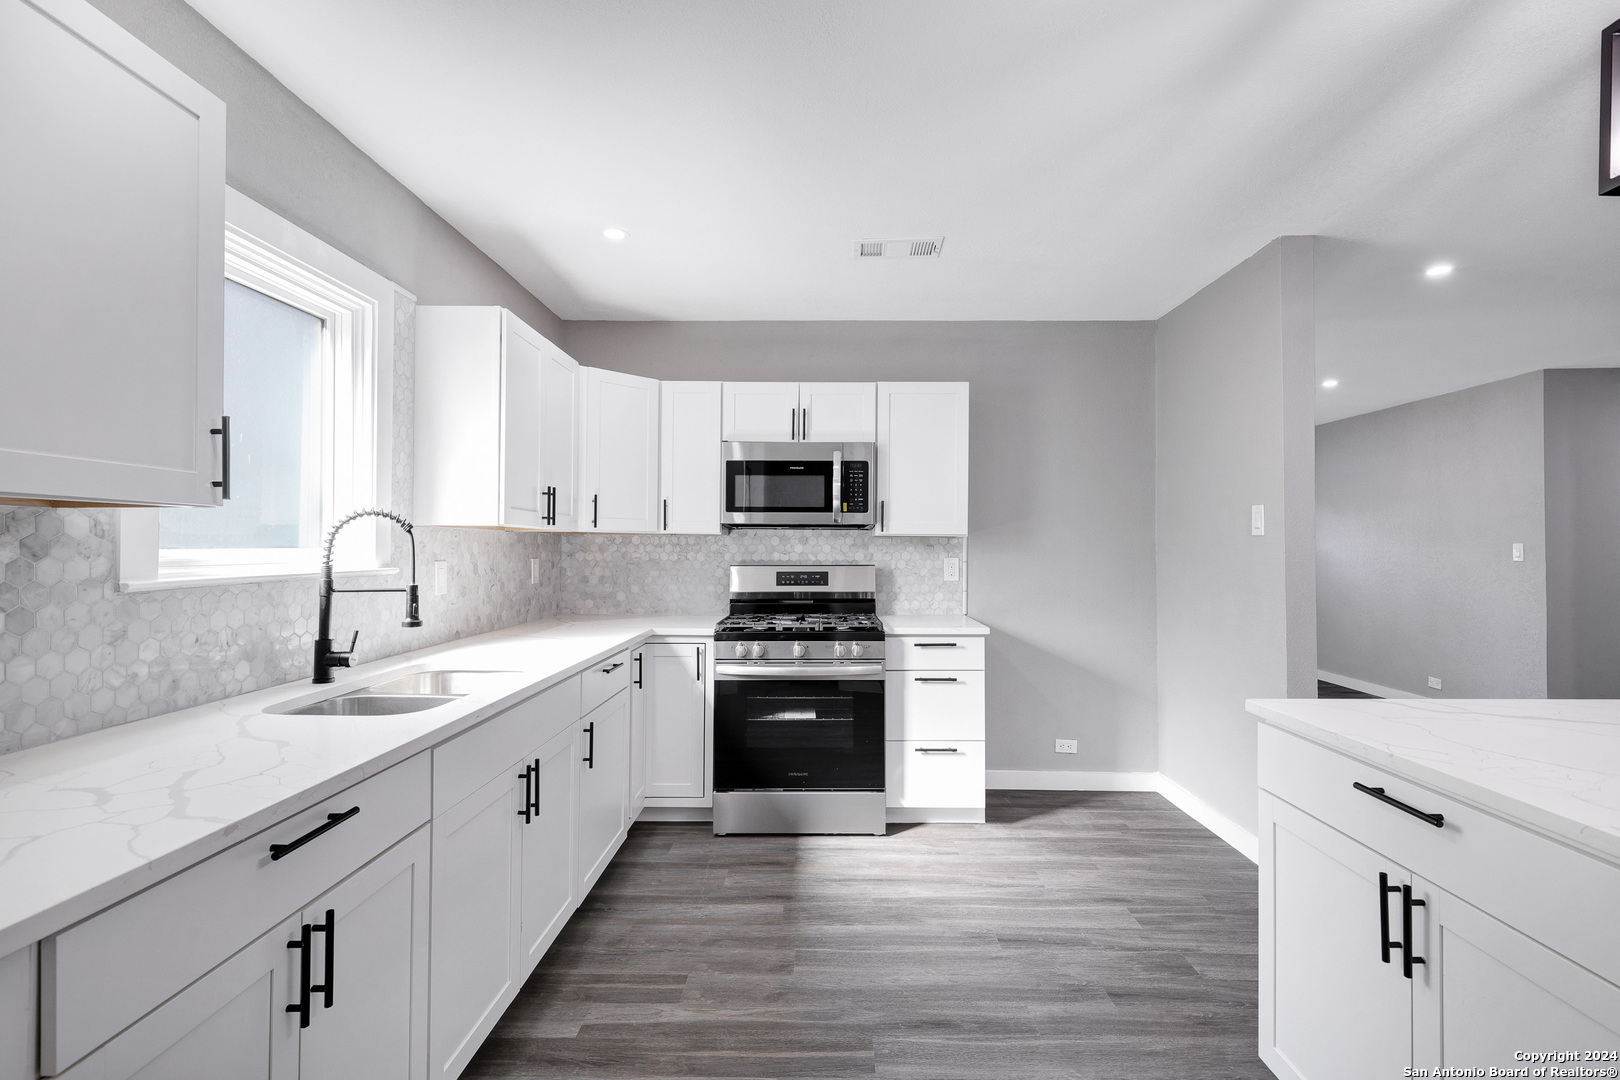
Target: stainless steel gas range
(798,711)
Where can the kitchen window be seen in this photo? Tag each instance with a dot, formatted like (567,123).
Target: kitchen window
(308,381)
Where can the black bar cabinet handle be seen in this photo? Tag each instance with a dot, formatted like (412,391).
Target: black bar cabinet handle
(328,927)
(593,511)
(611,668)
(640,664)
(1384,889)
(1437,820)
(332,821)
(527,813)
(666,515)
(932,678)
(302,945)
(793,425)
(937,750)
(224,433)
(697,670)
(935,645)
(1408,902)
(882,523)
(590,752)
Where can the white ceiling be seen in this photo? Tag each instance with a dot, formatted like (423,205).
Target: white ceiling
(1084,160)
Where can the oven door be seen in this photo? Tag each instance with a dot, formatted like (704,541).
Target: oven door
(776,485)
(798,734)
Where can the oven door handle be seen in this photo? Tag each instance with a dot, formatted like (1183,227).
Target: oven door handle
(724,670)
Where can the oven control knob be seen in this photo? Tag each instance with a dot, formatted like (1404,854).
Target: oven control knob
(759,650)
(741,650)
(799,649)
(840,649)
(857,649)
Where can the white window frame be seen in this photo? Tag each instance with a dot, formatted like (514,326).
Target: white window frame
(269,254)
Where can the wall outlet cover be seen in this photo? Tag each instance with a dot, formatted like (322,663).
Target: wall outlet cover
(441,577)
(953,569)
(1434,683)
(534,571)
(1068,746)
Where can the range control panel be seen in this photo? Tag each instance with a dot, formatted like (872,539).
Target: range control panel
(855,487)
(801,577)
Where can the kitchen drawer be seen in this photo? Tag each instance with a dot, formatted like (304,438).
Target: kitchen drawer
(103,974)
(471,759)
(943,773)
(934,705)
(1561,897)
(602,680)
(934,653)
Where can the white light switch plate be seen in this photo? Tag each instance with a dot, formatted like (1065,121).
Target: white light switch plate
(1257,520)
(953,569)
(534,571)
(1518,553)
(441,578)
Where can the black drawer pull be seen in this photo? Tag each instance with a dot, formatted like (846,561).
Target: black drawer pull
(936,750)
(950,678)
(332,822)
(935,645)
(611,668)
(1437,820)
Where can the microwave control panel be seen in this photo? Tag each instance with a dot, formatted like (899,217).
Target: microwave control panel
(855,487)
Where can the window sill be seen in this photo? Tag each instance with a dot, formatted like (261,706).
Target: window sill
(241,576)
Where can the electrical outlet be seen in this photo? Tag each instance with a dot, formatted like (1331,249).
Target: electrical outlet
(953,569)
(1068,746)
(441,578)
(534,571)
(1257,520)
(1518,553)
(1434,683)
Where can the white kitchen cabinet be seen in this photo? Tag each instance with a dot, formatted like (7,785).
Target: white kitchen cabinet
(19,1024)
(620,456)
(373,1024)
(603,749)
(838,412)
(638,736)
(934,725)
(474,934)
(112,206)
(546,842)
(673,690)
(800,412)
(559,440)
(922,451)
(689,462)
(480,374)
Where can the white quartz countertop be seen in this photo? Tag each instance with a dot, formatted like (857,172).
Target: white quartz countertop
(90,820)
(1553,766)
(902,625)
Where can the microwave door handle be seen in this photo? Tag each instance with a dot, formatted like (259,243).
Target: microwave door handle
(838,486)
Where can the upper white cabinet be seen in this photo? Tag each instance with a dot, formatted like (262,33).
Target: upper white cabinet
(689,465)
(112,209)
(620,457)
(481,380)
(922,451)
(559,440)
(800,412)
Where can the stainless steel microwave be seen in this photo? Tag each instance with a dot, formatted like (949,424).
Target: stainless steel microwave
(799,485)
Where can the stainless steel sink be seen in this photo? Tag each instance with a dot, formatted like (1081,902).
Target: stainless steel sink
(455,683)
(365,704)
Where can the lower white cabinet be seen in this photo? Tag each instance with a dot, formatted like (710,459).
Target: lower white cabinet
(546,847)
(940,775)
(674,702)
(1370,964)
(603,749)
(934,722)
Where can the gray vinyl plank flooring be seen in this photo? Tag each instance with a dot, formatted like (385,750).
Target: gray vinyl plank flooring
(1074,935)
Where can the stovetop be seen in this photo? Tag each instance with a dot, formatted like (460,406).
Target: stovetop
(803,625)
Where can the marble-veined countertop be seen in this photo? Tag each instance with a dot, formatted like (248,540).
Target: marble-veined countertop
(903,625)
(1553,766)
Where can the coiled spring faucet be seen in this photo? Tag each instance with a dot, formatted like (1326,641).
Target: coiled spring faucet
(326,657)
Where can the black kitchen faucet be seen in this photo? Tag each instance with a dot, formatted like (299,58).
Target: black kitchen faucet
(326,657)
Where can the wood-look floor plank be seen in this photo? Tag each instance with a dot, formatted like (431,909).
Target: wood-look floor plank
(1074,935)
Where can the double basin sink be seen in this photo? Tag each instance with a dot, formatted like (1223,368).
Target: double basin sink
(417,692)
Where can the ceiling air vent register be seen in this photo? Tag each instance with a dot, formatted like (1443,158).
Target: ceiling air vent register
(926,247)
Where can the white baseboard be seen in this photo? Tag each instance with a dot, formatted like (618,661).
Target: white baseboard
(1367,687)
(1058,780)
(1246,843)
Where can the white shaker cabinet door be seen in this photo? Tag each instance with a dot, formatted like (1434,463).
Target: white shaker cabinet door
(638,736)
(620,493)
(373,1026)
(689,463)
(523,355)
(231,1024)
(922,451)
(761,412)
(603,768)
(1331,1008)
(838,412)
(112,266)
(547,844)
(474,931)
(559,439)
(1486,991)
(672,677)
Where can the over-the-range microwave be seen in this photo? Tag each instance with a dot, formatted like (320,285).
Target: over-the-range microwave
(799,485)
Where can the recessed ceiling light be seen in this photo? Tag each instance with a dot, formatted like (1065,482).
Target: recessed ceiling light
(1439,270)
(615,234)
(1328,384)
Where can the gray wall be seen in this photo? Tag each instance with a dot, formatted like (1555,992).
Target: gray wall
(281,153)
(1418,508)
(1060,553)
(1582,411)
(1236,613)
